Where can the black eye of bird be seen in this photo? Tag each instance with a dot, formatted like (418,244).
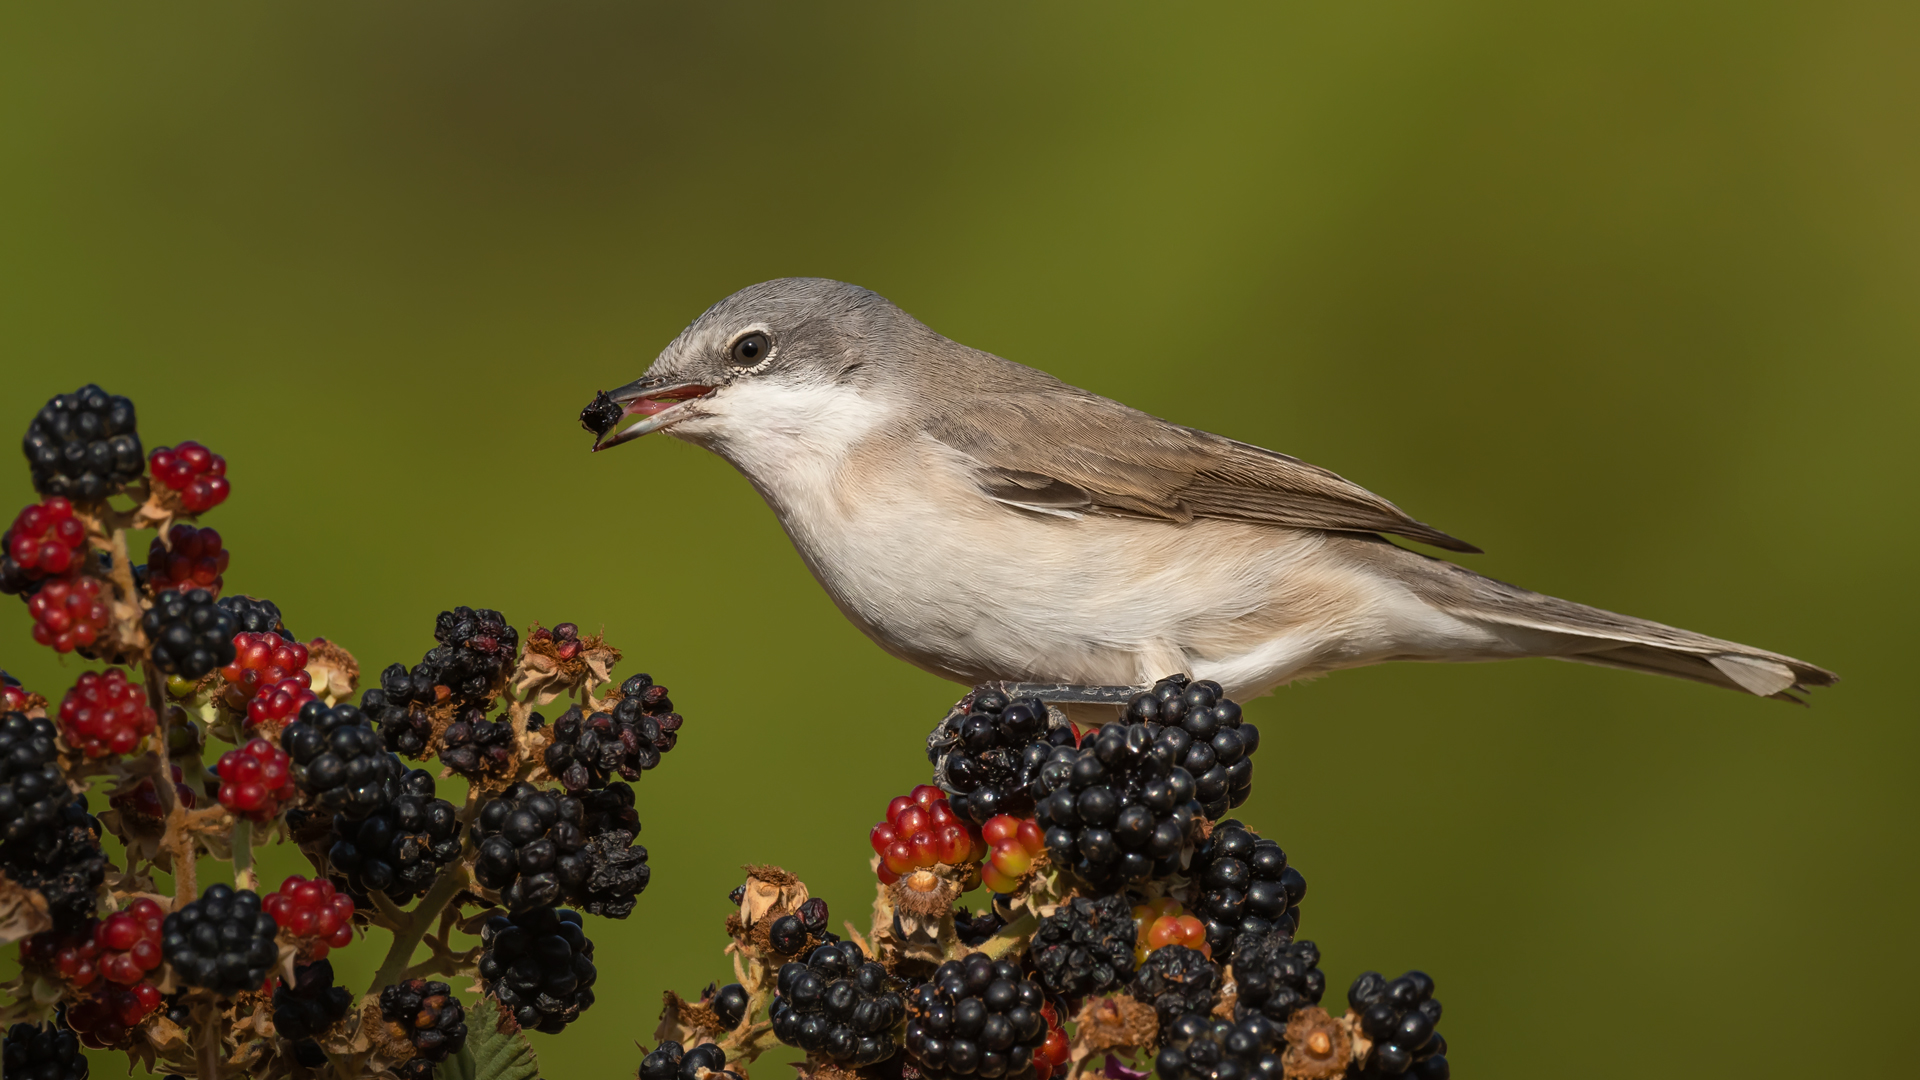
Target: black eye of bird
(751,349)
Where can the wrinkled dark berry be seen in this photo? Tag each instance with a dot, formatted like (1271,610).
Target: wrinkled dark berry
(1176,980)
(433,1021)
(1085,947)
(989,757)
(540,848)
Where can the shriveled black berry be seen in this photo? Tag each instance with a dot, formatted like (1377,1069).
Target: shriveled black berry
(33,790)
(1085,947)
(539,965)
(601,414)
(671,1061)
(62,861)
(976,1017)
(474,746)
(1276,976)
(190,632)
(1400,1016)
(42,1052)
(974,929)
(837,1004)
(222,941)
(1176,980)
(433,1020)
(338,760)
(590,748)
(1115,812)
(400,848)
(309,1007)
(476,653)
(1198,1047)
(1196,727)
(538,848)
(398,707)
(84,445)
(1239,884)
(730,1005)
(252,615)
(989,756)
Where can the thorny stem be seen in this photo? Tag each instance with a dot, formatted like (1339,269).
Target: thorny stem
(407,935)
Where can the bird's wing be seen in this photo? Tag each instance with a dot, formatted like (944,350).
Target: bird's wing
(1083,453)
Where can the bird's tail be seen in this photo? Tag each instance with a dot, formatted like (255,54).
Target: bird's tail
(1540,625)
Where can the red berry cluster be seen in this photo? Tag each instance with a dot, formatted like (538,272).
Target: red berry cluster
(268,678)
(1164,922)
(1015,842)
(68,613)
(46,538)
(313,912)
(105,714)
(564,638)
(197,473)
(922,830)
(187,559)
(143,799)
(255,780)
(110,966)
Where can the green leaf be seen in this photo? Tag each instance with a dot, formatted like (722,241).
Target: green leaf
(492,1053)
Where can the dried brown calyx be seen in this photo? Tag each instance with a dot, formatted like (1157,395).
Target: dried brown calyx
(1318,1046)
(1115,1023)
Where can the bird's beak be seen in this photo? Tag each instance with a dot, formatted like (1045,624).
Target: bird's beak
(651,399)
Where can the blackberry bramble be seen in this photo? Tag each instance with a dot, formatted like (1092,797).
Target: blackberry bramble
(312,914)
(68,613)
(400,848)
(1276,976)
(42,1052)
(308,1008)
(338,760)
(1176,981)
(922,830)
(1197,728)
(1199,1047)
(1115,812)
(33,790)
(993,753)
(671,1061)
(1085,947)
(1164,922)
(252,615)
(256,780)
(588,749)
(537,848)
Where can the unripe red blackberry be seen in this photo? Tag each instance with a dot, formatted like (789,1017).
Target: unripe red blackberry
(84,445)
(538,848)
(976,1016)
(256,780)
(187,559)
(539,964)
(1241,884)
(1197,728)
(1085,947)
(309,1007)
(838,1004)
(46,540)
(198,474)
(339,762)
(1275,976)
(69,613)
(260,659)
(42,1052)
(313,914)
(252,615)
(1400,1017)
(433,1021)
(190,634)
(222,941)
(1176,980)
(400,848)
(1199,1047)
(105,714)
(1115,812)
(671,1061)
(13,696)
(989,756)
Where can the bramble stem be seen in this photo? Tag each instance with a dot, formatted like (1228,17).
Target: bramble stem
(243,875)
(406,936)
(209,1048)
(180,850)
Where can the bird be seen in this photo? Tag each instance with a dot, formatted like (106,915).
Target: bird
(987,522)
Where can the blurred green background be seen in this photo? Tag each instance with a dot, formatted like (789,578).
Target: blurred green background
(1623,293)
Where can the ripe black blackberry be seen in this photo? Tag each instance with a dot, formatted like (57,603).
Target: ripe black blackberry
(84,445)
(1400,1017)
(432,1019)
(1176,980)
(1197,728)
(474,746)
(587,750)
(539,965)
(671,1061)
(1241,884)
(399,707)
(1276,976)
(399,848)
(837,1004)
(976,1017)
(33,790)
(1115,813)
(339,762)
(601,414)
(42,1052)
(310,1006)
(536,849)
(62,861)
(1085,947)
(222,941)
(476,653)
(1196,1047)
(974,929)
(191,634)
(729,1003)
(252,615)
(988,757)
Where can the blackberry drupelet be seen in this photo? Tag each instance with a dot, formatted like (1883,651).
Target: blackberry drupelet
(400,848)
(311,1005)
(474,746)
(339,762)
(539,965)
(1241,884)
(536,848)
(33,790)
(252,615)
(671,1061)
(976,1017)
(587,750)
(1196,1047)
(222,941)
(1400,1017)
(1176,980)
(1198,729)
(993,753)
(838,1004)
(433,1020)
(42,1052)
(1115,813)
(730,1005)
(1276,976)
(191,634)
(84,445)
(1085,947)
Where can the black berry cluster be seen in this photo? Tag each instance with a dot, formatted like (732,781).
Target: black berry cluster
(433,1020)
(539,848)
(252,615)
(1085,947)
(671,1061)
(191,634)
(729,1003)
(1199,1047)
(338,760)
(33,790)
(1198,729)
(1400,1017)
(993,753)
(838,1004)
(1276,976)
(1241,884)
(474,746)
(475,654)
(83,445)
(790,933)
(589,749)
(399,848)
(976,1017)
(309,1007)
(62,861)
(399,707)
(1176,980)
(37,1052)
(1115,812)
(222,941)
(539,964)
